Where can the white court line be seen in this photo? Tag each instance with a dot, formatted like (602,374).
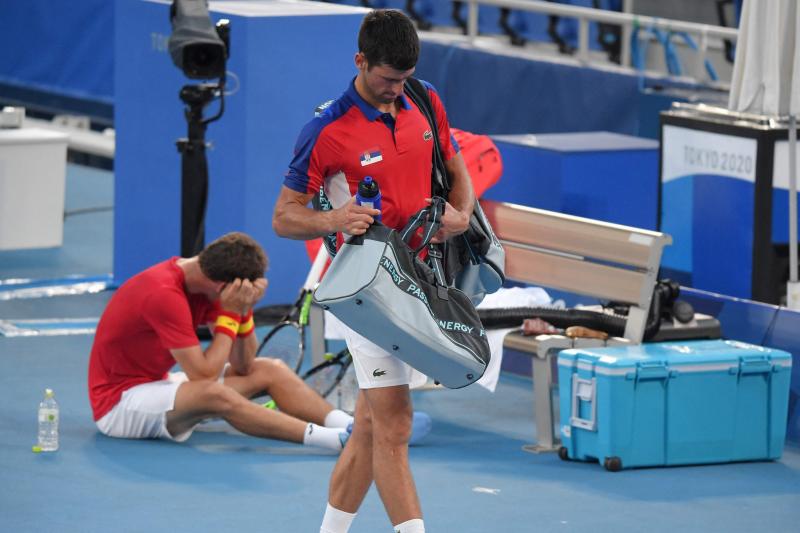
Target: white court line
(48,327)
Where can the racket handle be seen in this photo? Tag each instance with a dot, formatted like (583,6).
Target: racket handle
(317,267)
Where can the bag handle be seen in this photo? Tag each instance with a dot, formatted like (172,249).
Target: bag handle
(435,256)
(430,218)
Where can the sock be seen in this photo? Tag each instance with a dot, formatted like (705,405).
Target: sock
(337,419)
(331,438)
(415,525)
(336,521)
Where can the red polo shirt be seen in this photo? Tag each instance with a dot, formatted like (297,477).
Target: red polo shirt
(149,315)
(350,139)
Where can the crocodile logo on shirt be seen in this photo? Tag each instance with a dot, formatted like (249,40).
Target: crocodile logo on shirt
(428,135)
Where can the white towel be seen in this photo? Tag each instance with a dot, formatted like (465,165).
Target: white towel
(505,298)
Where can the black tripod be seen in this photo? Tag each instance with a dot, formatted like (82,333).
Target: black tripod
(194,165)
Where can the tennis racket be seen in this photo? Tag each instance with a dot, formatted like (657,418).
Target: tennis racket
(324,377)
(286,340)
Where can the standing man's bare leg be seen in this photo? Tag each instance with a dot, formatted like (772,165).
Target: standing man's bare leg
(352,475)
(391,412)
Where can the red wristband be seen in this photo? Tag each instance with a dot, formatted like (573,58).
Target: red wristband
(247,326)
(227,325)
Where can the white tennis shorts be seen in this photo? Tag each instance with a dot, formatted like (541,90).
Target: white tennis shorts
(142,410)
(375,367)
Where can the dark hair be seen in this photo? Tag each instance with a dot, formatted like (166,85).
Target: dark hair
(234,255)
(388,37)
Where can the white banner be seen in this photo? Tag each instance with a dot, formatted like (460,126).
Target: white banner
(688,152)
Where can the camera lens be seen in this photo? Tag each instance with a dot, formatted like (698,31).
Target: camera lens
(204,60)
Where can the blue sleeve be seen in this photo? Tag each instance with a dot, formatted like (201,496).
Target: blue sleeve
(297,177)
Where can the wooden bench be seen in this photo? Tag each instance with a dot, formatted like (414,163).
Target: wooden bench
(577,255)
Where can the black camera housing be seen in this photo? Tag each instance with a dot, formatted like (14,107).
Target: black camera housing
(197,46)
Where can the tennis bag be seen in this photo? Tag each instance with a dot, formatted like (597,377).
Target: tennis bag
(379,287)
(482,158)
(475,260)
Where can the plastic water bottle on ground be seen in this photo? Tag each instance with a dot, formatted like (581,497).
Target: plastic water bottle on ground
(48,422)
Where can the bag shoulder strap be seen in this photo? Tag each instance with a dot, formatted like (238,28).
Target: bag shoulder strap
(440,185)
(416,90)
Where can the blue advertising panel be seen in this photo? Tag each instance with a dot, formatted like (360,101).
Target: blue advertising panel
(707,192)
(724,200)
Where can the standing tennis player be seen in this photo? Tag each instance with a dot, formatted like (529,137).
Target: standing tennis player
(374,130)
(149,325)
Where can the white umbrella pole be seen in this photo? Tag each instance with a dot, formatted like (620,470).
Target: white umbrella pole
(793,287)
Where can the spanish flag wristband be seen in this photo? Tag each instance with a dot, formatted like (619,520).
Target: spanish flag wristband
(247,326)
(228,324)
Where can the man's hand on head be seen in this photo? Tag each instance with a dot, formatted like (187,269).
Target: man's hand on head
(260,287)
(237,296)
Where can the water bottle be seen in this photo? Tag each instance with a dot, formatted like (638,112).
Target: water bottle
(48,422)
(369,194)
(347,392)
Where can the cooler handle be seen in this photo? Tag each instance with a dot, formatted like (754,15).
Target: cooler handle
(754,365)
(584,390)
(651,370)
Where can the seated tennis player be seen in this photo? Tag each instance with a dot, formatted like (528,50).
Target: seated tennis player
(149,325)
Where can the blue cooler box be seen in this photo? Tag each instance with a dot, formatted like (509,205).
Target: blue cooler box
(673,403)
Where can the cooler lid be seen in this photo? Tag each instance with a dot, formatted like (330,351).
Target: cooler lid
(680,353)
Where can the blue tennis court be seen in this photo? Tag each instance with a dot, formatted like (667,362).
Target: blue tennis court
(471,471)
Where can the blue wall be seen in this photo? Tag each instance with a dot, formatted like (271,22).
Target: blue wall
(497,94)
(60,47)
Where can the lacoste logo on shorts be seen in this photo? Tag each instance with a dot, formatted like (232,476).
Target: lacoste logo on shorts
(378,373)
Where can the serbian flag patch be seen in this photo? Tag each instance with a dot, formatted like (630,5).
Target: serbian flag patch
(373,155)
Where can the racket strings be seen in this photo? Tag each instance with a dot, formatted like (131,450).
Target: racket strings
(327,375)
(286,343)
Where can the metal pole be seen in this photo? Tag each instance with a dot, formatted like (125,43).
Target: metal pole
(583,39)
(627,31)
(702,53)
(792,198)
(472,20)
(610,17)
(793,287)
